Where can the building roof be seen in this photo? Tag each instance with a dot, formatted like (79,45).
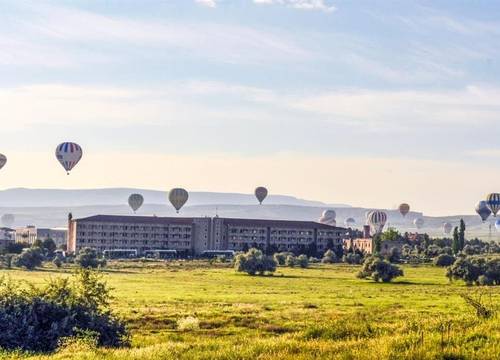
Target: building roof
(7,229)
(137,219)
(279,223)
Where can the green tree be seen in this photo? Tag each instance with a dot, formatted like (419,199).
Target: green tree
(455,245)
(461,234)
(377,241)
(390,235)
(379,270)
(49,247)
(30,258)
(87,258)
(255,262)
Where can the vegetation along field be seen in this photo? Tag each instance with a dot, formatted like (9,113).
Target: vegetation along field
(199,310)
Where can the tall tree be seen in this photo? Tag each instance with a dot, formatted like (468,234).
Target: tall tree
(455,245)
(461,234)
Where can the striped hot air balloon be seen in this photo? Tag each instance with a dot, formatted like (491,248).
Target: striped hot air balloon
(135,201)
(377,220)
(261,194)
(493,202)
(447,227)
(483,210)
(3,160)
(328,217)
(68,154)
(178,197)
(404,209)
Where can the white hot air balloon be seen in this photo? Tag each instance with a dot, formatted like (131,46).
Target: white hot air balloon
(349,222)
(419,223)
(447,227)
(8,220)
(261,194)
(328,217)
(68,154)
(178,197)
(135,201)
(3,160)
(377,220)
(404,209)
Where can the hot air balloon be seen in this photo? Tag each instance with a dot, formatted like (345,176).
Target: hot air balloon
(447,227)
(493,203)
(68,154)
(482,210)
(349,222)
(497,225)
(135,201)
(404,209)
(419,223)
(178,197)
(3,160)
(328,217)
(8,220)
(377,220)
(261,194)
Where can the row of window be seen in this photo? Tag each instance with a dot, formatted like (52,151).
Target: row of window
(134,235)
(135,242)
(134,227)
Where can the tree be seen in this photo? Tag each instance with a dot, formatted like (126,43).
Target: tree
(465,269)
(377,241)
(329,257)
(255,262)
(280,258)
(455,245)
(57,262)
(87,258)
(312,249)
(444,260)
(303,261)
(16,247)
(379,270)
(461,234)
(390,235)
(30,258)
(352,258)
(49,247)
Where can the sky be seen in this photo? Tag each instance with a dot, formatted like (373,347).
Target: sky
(369,103)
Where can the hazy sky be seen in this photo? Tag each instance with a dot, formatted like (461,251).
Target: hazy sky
(363,102)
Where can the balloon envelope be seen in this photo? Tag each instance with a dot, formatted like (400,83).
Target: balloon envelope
(419,223)
(447,227)
(377,220)
(261,194)
(328,217)
(404,209)
(3,160)
(483,210)
(349,222)
(68,154)
(8,220)
(493,202)
(178,197)
(135,201)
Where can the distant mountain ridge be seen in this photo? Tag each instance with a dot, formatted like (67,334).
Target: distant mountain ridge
(23,197)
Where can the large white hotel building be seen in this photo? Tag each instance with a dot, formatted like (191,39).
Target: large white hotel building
(193,236)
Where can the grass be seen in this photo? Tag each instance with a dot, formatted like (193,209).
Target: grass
(321,312)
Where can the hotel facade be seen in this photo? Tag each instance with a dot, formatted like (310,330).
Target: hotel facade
(193,236)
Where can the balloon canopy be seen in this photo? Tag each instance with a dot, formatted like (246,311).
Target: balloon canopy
(135,201)
(178,197)
(404,209)
(261,194)
(68,154)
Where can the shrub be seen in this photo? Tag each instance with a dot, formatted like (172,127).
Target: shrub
(379,269)
(255,262)
(329,257)
(302,261)
(444,260)
(87,258)
(280,258)
(352,258)
(466,269)
(29,258)
(37,320)
(57,262)
(189,323)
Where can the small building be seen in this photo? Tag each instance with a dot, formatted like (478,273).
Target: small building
(26,234)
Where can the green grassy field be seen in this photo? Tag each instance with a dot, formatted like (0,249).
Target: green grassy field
(321,312)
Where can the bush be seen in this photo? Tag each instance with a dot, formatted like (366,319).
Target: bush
(302,261)
(379,269)
(29,258)
(280,258)
(329,257)
(36,320)
(255,262)
(352,258)
(291,261)
(466,269)
(444,260)
(57,262)
(87,258)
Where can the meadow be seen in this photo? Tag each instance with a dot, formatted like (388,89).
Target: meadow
(322,312)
